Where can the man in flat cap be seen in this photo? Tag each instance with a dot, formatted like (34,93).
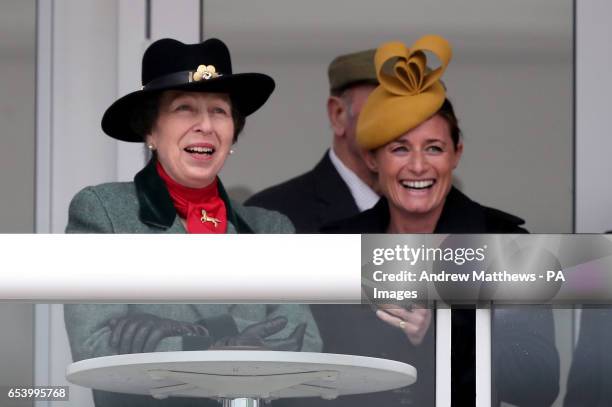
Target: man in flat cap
(340,185)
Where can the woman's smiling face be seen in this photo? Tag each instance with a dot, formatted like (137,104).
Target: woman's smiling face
(193,135)
(415,170)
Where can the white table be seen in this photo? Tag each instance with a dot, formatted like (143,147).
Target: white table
(241,378)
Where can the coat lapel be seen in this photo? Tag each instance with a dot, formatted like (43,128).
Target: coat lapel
(157,209)
(238,224)
(332,196)
(461,215)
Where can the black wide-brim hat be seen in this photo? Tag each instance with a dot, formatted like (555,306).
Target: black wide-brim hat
(169,64)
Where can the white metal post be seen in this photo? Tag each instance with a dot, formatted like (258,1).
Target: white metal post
(483,358)
(443,357)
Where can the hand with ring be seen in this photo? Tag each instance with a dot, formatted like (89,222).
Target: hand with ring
(414,323)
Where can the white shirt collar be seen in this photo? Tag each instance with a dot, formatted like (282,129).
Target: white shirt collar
(364,196)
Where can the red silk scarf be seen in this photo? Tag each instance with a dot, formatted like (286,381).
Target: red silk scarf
(202,208)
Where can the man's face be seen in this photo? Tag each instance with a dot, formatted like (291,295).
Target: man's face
(354,99)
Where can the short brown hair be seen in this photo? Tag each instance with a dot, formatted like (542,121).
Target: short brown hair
(448,113)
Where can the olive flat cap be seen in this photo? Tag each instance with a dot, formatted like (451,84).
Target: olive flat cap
(352,68)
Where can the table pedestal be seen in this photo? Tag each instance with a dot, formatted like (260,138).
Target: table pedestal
(241,402)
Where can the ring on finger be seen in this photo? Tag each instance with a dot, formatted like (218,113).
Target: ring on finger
(402,324)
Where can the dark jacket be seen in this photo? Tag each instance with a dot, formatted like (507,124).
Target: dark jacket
(310,200)
(590,378)
(459,215)
(525,360)
(355,329)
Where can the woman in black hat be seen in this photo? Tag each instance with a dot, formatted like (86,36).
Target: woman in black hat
(189,112)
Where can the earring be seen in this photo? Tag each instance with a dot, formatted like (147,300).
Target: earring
(150,147)
(231,151)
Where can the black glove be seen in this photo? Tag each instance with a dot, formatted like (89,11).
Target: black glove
(256,334)
(137,333)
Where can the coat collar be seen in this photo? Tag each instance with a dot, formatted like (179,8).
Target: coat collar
(157,209)
(459,215)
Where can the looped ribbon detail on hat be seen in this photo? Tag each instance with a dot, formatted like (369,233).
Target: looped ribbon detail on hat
(403,71)
(205,72)
(409,92)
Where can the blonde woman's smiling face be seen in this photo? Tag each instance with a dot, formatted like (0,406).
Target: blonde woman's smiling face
(193,135)
(415,170)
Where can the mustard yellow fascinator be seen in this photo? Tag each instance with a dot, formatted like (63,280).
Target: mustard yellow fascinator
(409,92)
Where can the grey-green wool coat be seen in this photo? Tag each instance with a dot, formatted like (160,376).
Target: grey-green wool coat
(145,206)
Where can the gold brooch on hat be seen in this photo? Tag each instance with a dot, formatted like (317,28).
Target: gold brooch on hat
(204,72)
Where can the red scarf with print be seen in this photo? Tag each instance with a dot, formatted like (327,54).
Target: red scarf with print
(202,208)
